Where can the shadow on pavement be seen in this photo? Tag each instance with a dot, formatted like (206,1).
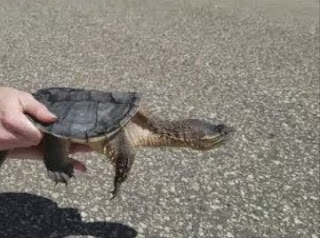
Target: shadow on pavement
(24,215)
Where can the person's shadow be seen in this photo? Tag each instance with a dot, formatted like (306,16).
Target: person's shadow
(24,215)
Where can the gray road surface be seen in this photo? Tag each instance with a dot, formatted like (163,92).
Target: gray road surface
(252,64)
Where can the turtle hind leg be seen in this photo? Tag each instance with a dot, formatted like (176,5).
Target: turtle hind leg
(56,159)
(122,154)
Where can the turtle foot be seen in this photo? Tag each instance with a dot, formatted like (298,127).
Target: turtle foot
(114,193)
(62,175)
(115,190)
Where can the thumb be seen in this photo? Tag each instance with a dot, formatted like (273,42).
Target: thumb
(78,165)
(36,109)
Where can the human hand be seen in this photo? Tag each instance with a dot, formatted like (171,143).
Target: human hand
(17,133)
(16,130)
(36,153)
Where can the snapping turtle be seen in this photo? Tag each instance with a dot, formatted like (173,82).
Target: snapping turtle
(112,123)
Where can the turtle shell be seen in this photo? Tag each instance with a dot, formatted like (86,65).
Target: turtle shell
(86,114)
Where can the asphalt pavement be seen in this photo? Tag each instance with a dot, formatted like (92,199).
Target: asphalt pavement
(252,64)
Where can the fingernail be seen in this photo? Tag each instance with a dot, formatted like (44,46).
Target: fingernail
(53,116)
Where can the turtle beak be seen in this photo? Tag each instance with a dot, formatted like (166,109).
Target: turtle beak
(219,134)
(226,131)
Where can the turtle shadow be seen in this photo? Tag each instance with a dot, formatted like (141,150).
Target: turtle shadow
(24,215)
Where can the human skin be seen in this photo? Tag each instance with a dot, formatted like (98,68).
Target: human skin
(17,132)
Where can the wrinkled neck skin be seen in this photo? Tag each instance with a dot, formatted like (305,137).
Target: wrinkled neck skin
(160,133)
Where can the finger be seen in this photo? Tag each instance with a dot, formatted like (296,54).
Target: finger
(22,129)
(78,165)
(77,148)
(35,152)
(32,153)
(33,107)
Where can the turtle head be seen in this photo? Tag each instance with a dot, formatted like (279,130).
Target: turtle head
(205,135)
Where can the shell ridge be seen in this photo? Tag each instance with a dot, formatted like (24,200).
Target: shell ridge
(96,119)
(107,124)
(69,107)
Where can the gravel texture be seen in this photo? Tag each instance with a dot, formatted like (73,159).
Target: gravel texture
(252,64)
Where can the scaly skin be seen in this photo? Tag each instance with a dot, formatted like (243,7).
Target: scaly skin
(145,130)
(194,133)
(141,130)
(56,158)
(122,153)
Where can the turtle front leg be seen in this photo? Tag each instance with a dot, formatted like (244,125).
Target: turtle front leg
(3,155)
(56,159)
(122,154)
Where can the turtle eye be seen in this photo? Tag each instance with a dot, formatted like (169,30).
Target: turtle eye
(215,132)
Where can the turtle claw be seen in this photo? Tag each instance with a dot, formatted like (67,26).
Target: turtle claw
(61,177)
(58,177)
(114,192)
(113,195)
(65,178)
